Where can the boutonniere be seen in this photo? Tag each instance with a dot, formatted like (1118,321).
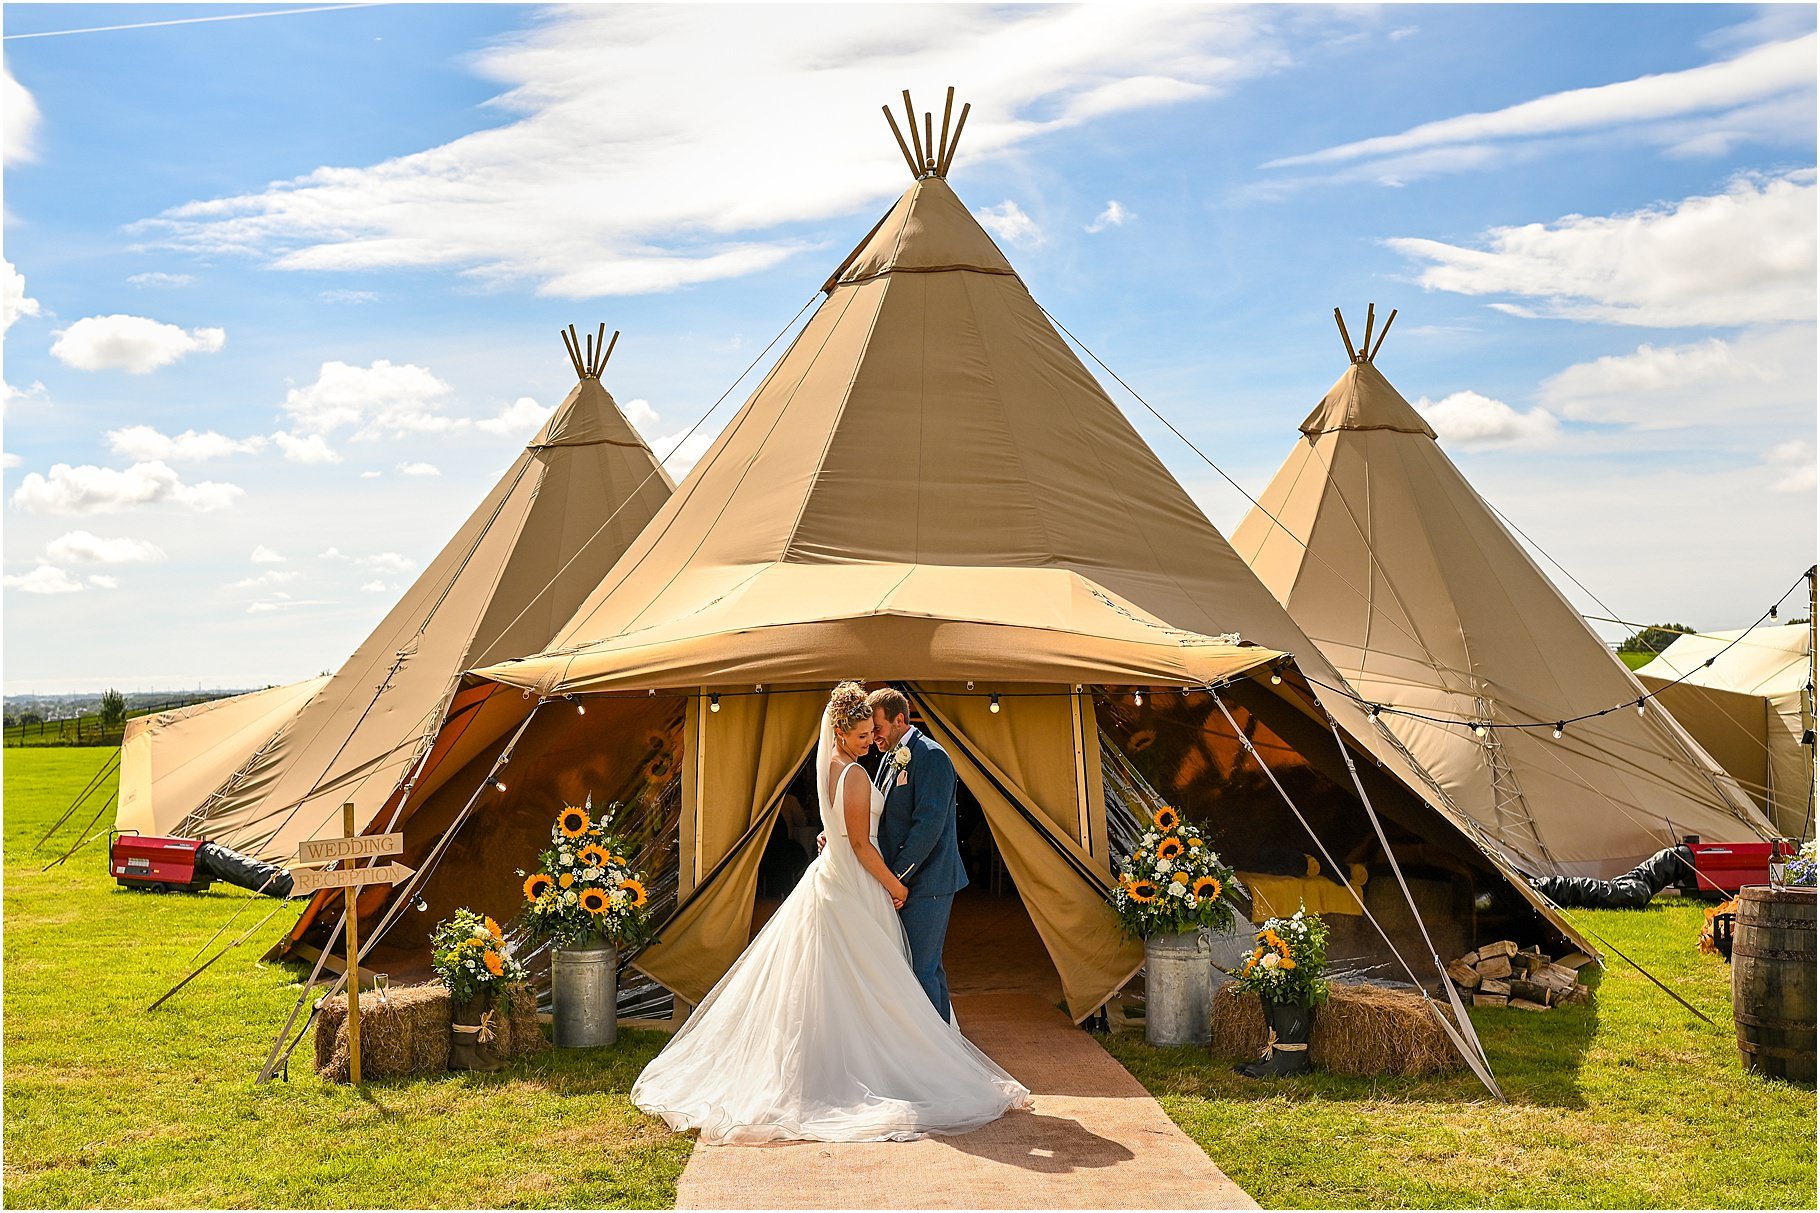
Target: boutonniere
(900,758)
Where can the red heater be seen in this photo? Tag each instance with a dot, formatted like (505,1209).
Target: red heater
(157,865)
(1726,867)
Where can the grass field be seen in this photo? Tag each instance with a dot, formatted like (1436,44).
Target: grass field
(1629,1102)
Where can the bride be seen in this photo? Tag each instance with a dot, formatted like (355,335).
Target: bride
(820,1030)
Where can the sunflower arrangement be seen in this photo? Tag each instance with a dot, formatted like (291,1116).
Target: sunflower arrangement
(470,956)
(1289,962)
(1173,882)
(585,888)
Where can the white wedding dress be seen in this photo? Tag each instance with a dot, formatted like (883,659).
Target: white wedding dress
(820,1031)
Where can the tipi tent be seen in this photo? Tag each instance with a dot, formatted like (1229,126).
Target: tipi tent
(262,772)
(1413,588)
(929,488)
(1747,698)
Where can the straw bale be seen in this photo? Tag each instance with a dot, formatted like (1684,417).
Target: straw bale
(409,1033)
(1358,1030)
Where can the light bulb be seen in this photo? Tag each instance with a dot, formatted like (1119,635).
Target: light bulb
(994,704)
(1560,728)
(1137,697)
(1772,612)
(420,905)
(1639,707)
(1276,679)
(500,784)
(714,703)
(581,709)
(970,684)
(1374,709)
(1478,730)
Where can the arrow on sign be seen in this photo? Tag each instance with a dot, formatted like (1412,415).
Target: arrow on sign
(307,881)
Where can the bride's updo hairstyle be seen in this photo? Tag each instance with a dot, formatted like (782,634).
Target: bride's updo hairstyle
(847,707)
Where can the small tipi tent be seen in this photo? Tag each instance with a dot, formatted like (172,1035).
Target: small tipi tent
(1413,588)
(262,772)
(929,488)
(1747,697)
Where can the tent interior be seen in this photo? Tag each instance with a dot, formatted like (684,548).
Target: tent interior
(1046,819)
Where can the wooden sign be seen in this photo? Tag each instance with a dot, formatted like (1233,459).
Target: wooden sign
(347,878)
(366,846)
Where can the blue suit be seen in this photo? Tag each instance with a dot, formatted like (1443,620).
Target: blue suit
(916,837)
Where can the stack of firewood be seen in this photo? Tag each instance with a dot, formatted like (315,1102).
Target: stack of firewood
(1502,974)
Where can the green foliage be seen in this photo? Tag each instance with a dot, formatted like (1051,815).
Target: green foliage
(1289,965)
(109,1105)
(1174,882)
(470,956)
(1654,638)
(1627,1102)
(113,709)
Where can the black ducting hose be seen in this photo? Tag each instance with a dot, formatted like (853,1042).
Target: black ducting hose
(244,870)
(1631,891)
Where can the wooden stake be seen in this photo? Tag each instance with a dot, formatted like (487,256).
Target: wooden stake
(941,170)
(1371,319)
(1383,333)
(901,145)
(941,155)
(574,358)
(588,361)
(1340,320)
(915,139)
(929,140)
(352,897)
(614,342)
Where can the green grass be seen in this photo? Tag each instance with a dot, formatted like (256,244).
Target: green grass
(107,1104)
(1636,661)
(1629,1102)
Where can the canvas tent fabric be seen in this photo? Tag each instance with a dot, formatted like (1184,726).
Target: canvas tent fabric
(1412,587)
(514,572)
(1749,709)
(928,487)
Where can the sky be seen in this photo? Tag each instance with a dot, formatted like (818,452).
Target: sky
(282,292)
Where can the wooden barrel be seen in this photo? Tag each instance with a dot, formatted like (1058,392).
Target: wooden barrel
(1773,982)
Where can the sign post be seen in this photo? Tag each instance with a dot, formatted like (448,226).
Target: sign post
(349,850)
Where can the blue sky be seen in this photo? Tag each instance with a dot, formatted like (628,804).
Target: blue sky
(289,285)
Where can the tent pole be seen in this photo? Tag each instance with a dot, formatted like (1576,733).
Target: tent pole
(1382,333)
(1352,355)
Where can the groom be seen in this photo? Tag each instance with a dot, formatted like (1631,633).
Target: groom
(916,834)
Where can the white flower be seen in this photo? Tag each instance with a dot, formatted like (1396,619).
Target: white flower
(900,757)
(1150,839)
(1163,867)
(469,963)
(590,873)
(570,897)
(616,900)
(566,859)
(1297,915)
(1178,890)
(1272,961)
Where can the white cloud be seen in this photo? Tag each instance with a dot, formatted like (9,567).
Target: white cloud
(371,475)
(280,601)
(15,303)
(264,555)
(310,449)
(261,580)
(1716,92)
(642,416)
(142,442)
(1009,223)
(678,453)
(384,400)
(522,416)
(159,278)
(373,587)
(679,187)
(87,489)
(418,469)
(84,547)
(331,554)
(22,117)
(339,296)
(10,395)
(1742,257)
(1115,215)
(45,579)
(387,562)
(1470,420)
(8,460)
(1762,373)
(1792,463)
(103,581)
(130,343)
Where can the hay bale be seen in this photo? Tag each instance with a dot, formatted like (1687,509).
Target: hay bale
(1358,1030)
(409,1033)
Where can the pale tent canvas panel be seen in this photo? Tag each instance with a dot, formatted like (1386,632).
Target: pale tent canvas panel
(1415,590)
(514,572)
(1750,709)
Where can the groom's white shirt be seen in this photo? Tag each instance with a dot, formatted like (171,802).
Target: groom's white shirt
(884,761)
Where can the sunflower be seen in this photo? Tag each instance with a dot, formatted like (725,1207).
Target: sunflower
(594,901)
(593,855)
(1167,818)
(635,889)
(493,930)
(537,886)
(495,965)
(1143,890)
(566,879)
(573,823)
(1169,848)
(1207,886)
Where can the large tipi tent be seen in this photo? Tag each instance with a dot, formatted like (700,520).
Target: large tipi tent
(1413,588)
(928,487)
(1747,697)
(261,772)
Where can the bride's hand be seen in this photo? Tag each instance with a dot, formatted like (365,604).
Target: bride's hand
(899,893)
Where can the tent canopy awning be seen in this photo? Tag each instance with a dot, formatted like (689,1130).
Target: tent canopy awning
(775,623)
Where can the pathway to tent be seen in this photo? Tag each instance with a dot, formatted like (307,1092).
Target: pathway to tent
(1095,1139)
